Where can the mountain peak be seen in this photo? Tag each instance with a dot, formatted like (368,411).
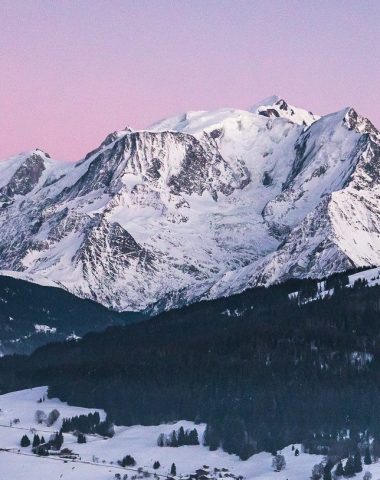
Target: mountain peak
(357,122)
(268,101)
(276,107)
(200,204)
(39,151)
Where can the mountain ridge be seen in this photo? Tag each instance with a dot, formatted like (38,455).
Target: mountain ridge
(199,205)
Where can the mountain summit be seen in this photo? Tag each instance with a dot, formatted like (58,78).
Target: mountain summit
(199,205)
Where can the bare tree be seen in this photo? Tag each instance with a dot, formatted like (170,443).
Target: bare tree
(40,416)
(278,463)
(52,417)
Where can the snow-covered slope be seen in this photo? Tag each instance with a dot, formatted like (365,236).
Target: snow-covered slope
(97,459)
(200,205)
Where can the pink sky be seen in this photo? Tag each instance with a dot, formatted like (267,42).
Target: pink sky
(72,71)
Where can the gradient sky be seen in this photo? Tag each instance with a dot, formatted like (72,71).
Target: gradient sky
(73,71)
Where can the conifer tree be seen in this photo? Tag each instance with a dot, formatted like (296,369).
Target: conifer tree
(161,440)
(358,466)
(173,470)
(36,441)
(25,442)
(327,475)
(173,442)
(367,457)
(193,437)
(57,441)
(181,437)
(327,471)
(211,437)
(339,471)
(128,461)
(349,468)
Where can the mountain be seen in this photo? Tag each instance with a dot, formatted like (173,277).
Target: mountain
(201,205)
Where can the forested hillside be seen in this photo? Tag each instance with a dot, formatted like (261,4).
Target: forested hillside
(32,315)
(262,369)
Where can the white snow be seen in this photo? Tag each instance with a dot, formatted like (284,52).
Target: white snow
(44,329)
(138,441)
(300,198)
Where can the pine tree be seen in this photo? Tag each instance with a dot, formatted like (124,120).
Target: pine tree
(339,471)
(367,457)
(358,466)
(36,441)
(128,461)
(156,465)
(296,452)
(25,442)
(42,451)
(81,438)
(246,451)
(42,441)
(96,418)
(327,475)
(60,440)
(181,437)
(106,428)
(173,470)
(173,440)
(234,434)
(193,437)
(327,471)
(161,440)
(211,437)
(349,468)
(57,441)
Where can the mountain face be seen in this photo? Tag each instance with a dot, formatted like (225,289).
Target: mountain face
(200,205)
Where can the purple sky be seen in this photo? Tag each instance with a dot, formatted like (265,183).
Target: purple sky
(72,71)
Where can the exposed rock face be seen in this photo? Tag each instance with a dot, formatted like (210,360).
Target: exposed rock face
(198,206)
(25,178)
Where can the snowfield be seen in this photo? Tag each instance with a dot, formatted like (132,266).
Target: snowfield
(98,457)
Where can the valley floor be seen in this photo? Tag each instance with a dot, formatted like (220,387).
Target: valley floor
(97,459)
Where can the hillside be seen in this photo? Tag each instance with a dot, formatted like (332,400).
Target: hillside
(273,368)
(32,315)
(97,458)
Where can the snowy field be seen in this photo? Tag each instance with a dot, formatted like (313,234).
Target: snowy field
(98,457)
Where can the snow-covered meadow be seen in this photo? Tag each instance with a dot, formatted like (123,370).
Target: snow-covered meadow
(97,459)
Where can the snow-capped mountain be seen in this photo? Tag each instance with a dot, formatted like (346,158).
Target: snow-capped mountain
(197,206)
